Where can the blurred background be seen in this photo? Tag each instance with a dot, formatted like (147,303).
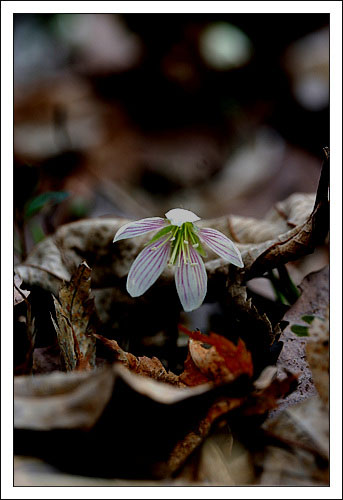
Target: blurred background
(131,115)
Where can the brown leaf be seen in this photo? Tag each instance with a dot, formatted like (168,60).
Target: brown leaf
(65,337)
(223,361)
(261,401)
(73,313)
(191,374)
(195,437)
(148,367)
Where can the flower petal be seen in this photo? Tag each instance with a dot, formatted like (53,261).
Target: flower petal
(221,245)
(191,282)
(179,216)
(147,267)
(139,227)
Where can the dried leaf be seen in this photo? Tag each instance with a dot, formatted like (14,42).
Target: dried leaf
(224,361)
(148,367)
(303,239)
(30,471)
(65,337)
(73,313)
(19,294)
(60,401)
(191,375)
(224,461)
(244,320)
(195,437)
(261,401)
(44,267)
(213,463)
(299,446)
(258,403)
(314,300)
(204,366)
(317,350)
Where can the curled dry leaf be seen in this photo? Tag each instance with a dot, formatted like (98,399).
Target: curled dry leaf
(74,310)
(191,375)
(303,239)
(222,362)
(142,365)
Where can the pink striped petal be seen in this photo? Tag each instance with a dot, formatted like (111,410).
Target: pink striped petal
(139,227)
(221,245)
(147,267)
(191,282)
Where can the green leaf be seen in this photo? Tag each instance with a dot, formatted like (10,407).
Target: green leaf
(308,318)
(160,233)
(36,232)
(200,249)
(36,204)
(301,331)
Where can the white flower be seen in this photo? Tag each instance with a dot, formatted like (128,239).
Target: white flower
(178,242)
